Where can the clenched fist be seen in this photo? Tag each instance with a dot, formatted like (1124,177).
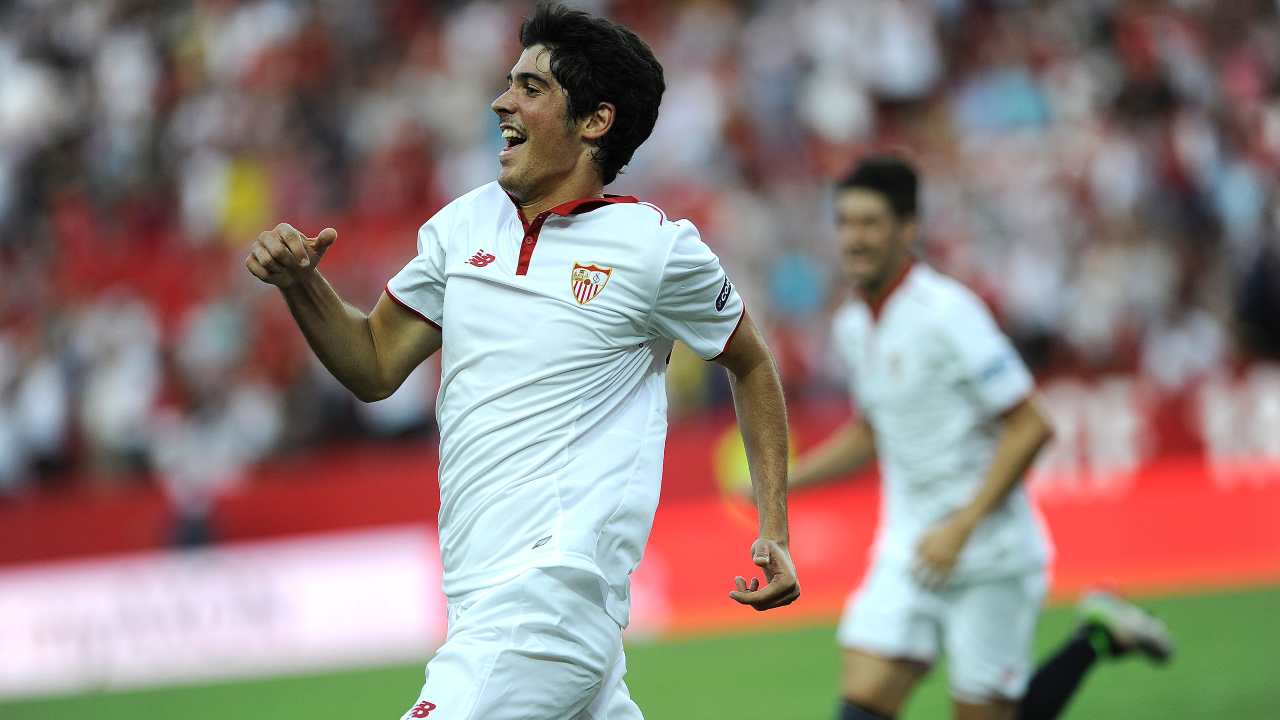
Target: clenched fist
(284,255)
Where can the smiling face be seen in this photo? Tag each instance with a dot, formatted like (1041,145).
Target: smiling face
(874,241)
(543,146)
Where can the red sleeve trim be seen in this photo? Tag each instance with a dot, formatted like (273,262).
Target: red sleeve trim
(406,306)
(733,334)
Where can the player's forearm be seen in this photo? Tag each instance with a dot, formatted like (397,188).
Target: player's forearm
(847,450)
(762,419)
(339,334)
(1025,433)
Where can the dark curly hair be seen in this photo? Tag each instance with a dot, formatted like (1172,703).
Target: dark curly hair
(597,61)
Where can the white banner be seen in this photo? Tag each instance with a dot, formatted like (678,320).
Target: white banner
(242,610)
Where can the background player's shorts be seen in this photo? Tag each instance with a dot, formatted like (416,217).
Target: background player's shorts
(538,647)
(985,627)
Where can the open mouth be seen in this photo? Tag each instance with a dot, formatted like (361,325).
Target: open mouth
(512,137)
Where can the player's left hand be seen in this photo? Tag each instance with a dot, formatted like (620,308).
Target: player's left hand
(939,550)
(781,586)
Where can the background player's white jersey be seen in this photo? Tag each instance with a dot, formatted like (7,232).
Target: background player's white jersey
(552,404)
(932,373)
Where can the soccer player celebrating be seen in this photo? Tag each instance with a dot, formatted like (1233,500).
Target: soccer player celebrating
(960,560)
(556,307)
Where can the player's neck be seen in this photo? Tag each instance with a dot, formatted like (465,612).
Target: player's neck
(876,296)
(574,187)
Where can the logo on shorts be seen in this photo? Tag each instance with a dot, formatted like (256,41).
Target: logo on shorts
(723,297)
(481,258)
(587,281)
(422,709)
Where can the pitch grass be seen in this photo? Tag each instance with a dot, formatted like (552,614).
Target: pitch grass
(1226,668)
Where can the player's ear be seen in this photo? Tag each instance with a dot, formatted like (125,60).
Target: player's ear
(598,122)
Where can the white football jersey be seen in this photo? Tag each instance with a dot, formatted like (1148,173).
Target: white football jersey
(932,373)
(552,402)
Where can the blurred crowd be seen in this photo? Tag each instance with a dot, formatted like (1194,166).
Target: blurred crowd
(1103,172)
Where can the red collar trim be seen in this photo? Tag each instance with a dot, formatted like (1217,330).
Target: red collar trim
(532,228)
(573,207)
(877,307)
(577,207)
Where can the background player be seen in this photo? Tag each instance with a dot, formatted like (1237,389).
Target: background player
(556,307)
(960,559)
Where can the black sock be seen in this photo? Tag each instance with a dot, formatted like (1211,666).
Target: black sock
(1058,678)
(850,710)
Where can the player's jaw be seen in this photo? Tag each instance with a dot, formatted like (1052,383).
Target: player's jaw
(857,260)
(534,161)
(869,259)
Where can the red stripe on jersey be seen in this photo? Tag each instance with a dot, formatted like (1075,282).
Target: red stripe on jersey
(406,306)
(733,334)
(662,217)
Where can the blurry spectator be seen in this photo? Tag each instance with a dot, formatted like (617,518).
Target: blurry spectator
(201,453)
(117,347)
(1184,343)
(40,403)
(1259,299)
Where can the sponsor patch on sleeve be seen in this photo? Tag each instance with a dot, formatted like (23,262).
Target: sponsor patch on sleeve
(995,368)
(725,291)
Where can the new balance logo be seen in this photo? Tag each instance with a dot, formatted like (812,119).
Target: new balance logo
(481,258)
(424,708)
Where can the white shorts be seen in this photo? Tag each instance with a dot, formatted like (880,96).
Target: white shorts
(985,628)
(538,647)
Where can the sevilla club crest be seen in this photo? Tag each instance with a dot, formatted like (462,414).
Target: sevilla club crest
(587,281)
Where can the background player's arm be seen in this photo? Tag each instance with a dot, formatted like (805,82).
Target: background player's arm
(1024,431)
(762,418)
(846,450)
(370,354)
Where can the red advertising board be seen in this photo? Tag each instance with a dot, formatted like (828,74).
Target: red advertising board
(1142,491)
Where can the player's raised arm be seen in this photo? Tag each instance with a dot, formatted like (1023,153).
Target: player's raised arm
(762,418)
(370,354)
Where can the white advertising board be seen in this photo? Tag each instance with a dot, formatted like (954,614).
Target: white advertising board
(232,611)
